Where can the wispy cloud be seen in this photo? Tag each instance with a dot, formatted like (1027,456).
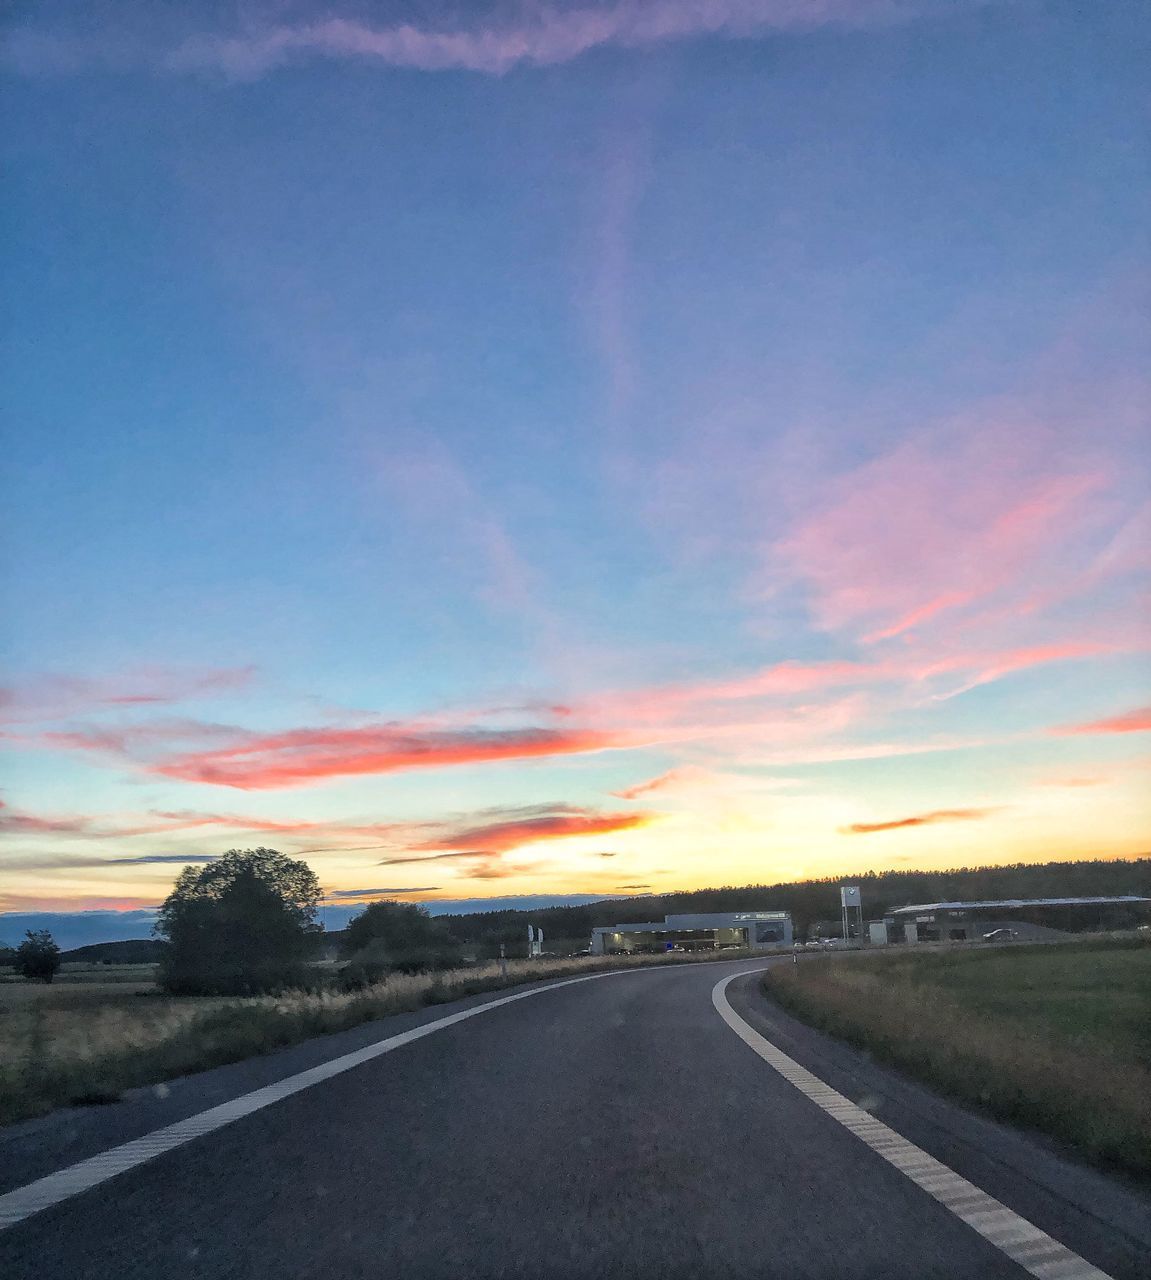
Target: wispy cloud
(252,761)
(491,41)
(377,893)
(1137,721)
(265,761)
(175,858)
(899,544)
(31,824)
(918,820)
(406,859)
(51,697)
(498,837)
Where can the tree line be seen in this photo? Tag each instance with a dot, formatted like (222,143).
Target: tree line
(809,901)
(247,923)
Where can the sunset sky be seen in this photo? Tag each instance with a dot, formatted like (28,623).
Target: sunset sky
(571,449)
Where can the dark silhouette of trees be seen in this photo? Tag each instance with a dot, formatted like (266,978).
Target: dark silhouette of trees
(813,900)
(38,956)
(396,935)
(242,925)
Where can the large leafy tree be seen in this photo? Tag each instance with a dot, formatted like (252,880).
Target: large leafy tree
(397,935)
(243,924)
(38,956)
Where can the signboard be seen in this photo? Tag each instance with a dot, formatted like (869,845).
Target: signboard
(849,895)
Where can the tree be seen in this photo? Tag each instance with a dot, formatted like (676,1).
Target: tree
(38,956)
(241,925)
(396,935)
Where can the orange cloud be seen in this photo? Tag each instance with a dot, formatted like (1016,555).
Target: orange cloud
(265,761)
(1137,721)
(653,784)
(918,820)
(498,837)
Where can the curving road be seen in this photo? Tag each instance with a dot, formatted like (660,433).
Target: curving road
(618,1126)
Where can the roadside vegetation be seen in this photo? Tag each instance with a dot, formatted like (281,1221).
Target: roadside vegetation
(1055,1037)
(88,1042)
(238,973)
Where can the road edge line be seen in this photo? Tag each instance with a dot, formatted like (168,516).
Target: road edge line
(1039,1254)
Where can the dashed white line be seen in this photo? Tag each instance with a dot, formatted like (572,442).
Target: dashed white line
(1035,1251)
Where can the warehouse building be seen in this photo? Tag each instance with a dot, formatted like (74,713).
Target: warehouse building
(759,930)
(1033,918)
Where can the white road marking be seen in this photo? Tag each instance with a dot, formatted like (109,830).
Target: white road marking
(36,1196)
(1036,1252)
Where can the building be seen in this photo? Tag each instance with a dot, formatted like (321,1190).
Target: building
(759,930)
(1033,918)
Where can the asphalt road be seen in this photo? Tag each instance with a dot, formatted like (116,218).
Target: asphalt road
(615,1127)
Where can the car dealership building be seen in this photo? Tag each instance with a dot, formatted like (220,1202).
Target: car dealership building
(759,930)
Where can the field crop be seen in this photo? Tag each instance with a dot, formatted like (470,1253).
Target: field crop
(1054,1037)
(87,1042)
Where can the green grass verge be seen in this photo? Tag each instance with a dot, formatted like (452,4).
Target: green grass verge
(71,1045)
(1057,1038)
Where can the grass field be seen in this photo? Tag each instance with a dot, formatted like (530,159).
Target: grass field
(1053,1037)
(87,1042)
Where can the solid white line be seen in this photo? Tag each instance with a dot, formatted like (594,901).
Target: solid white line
(1037,1253)
(36,1196)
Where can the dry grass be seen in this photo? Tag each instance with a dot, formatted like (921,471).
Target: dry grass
(87,1043)
(1057,1038)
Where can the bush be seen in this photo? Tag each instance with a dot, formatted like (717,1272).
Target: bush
(38,956)
(243,925)
(396,937)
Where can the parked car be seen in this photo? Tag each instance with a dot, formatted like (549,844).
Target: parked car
(1000,935)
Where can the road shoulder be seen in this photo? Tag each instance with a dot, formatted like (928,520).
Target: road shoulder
(1104,1218)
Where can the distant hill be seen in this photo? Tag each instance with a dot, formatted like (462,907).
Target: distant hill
(131,951)
(812,900)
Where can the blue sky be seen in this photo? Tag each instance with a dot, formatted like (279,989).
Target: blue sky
(426,421)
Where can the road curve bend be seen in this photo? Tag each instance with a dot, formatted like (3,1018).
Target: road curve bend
(625,1124)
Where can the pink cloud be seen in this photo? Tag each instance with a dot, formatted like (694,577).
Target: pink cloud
(931,528)
(697,703)
(1137,721)
(51,902)
(30,824)
(544,35)
(298,756)
(50,697)
(987,667)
